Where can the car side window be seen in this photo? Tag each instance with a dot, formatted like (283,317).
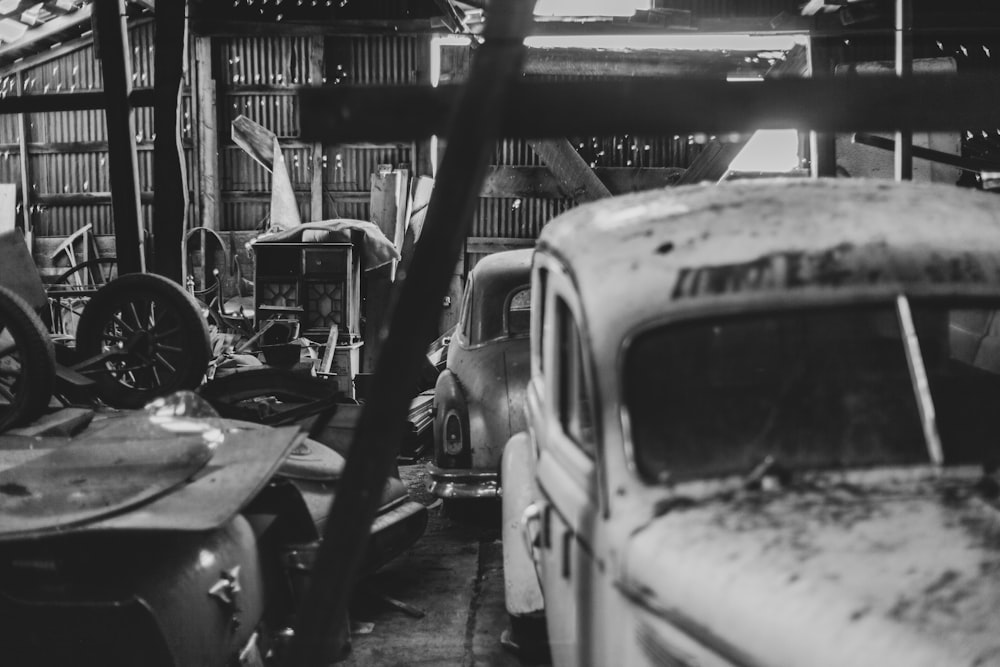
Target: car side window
(575,404)
(538,322)
(466,314)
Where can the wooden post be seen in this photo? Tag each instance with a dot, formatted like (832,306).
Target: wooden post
(822,145)
(474,130)
(903,155)
(316,56)
(169,179)
(206,134)
(22,142)
(116,67)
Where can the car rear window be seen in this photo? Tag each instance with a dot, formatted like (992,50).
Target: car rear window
(519,312)
(811,389)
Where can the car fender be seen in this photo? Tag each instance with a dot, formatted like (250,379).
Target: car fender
(522,592)
(449,397)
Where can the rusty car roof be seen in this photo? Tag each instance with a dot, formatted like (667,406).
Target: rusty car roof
(494,276)
(692,247)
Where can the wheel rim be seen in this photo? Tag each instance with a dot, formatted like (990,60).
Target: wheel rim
(148,340)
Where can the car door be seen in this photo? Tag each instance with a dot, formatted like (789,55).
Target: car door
(567,479)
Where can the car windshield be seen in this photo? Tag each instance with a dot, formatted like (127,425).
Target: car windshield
(826,388)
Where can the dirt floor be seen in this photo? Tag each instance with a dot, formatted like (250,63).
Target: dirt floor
(451,587)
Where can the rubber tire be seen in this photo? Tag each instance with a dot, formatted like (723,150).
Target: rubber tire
(141,287)
(37,358)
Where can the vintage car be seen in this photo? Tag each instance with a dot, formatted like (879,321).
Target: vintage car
(169,537)
(762,429)
(479,396)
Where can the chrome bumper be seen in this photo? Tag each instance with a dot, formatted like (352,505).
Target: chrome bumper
(462,483)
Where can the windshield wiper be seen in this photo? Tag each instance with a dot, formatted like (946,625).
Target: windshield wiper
(918,378)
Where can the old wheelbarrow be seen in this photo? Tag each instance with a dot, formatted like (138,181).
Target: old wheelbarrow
(139,336)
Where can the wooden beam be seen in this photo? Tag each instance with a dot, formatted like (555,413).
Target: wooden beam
(903,155)
(170,202)
(315,75)
(123,167)
(63,49)
(207,133)
(256,140)
(23,136)
(83,198)
(516,182)
(652,106)
(472,140)
(661,62)
(287,28)
(482,245)
(571,170)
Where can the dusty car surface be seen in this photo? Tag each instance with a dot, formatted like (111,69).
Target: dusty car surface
(762,429)
(479,396)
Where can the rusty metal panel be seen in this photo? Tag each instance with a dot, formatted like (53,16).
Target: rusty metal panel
(263,61)
(278,111)
(375,59)
(240,213)
(241,173)
(349,168)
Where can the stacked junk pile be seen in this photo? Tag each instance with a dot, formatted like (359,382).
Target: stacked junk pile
(150,517)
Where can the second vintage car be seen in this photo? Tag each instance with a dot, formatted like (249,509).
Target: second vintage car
(479,396)
(762,429)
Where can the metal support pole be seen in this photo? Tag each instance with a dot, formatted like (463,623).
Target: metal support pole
(904,69)
(472,136)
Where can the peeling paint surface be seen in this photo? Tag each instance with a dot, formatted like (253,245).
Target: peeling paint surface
(874,570)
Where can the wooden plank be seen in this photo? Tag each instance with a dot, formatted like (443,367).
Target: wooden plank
(655,106)
(571,170)
(83,198)
(633,63)
(256,140)
(480,245)
(207,133)
(170,202)
(316,58)
(123,168)
(514,182)
(60,147)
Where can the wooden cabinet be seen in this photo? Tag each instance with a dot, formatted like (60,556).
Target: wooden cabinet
(316,284)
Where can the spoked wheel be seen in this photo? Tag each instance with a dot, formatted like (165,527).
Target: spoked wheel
(142,336)
(27,362)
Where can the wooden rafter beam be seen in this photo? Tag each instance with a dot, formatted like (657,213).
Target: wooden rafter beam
(540,182)
(570,170)
(648,106)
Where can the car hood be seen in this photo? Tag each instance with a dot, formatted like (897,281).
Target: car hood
(887,568)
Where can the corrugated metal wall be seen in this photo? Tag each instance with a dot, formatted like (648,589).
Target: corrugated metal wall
(243,65)
(67,151)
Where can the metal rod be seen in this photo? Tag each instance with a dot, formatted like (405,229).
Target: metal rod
(472,137)
(921,385)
